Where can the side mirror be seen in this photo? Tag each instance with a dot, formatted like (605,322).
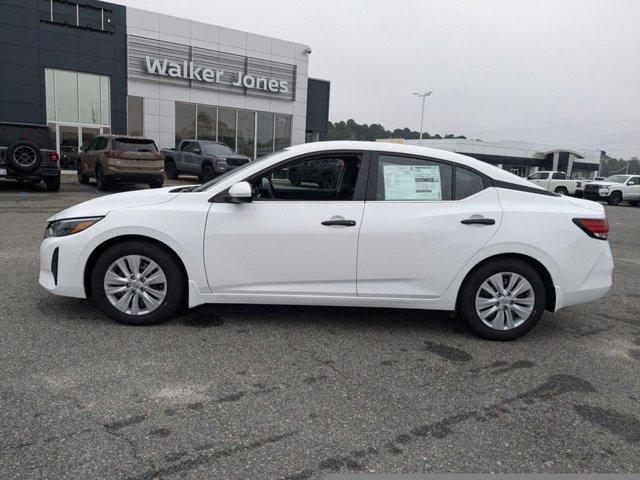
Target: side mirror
(240,193)
(197,151)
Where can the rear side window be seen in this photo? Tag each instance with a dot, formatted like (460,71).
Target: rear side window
(412,179)
(134,145)
(467,183)
(559,176)
(40,135)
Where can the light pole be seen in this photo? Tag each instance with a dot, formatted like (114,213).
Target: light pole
(424,95)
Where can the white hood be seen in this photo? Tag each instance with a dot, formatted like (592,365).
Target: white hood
(102,205)
(605,184)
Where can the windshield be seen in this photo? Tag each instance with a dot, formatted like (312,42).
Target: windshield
(224,176)
(617,178)
(216,148)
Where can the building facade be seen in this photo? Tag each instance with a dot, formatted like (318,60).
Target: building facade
(520,158)
(88,67)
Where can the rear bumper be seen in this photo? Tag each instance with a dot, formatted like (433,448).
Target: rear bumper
(37,175)
(135,177)
(595,285)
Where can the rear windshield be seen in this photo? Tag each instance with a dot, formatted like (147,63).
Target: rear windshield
(40,135)
(134,145)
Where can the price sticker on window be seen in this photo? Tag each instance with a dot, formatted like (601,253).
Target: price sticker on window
(411,182)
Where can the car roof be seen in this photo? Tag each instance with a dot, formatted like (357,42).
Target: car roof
(398,148)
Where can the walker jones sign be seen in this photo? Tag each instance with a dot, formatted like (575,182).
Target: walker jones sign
(195,67)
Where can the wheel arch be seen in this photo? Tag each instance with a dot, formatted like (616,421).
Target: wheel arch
(101,248)
(549,288)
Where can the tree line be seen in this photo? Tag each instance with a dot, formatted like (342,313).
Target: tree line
(613,166)
(351,130)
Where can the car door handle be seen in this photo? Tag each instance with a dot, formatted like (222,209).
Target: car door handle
(344,223)
(478,221)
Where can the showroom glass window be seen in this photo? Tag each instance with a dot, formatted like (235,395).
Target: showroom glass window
(206,128)
(282,132)
(185,121)
(135,116)
(227,127)
(246,133)
(265,134)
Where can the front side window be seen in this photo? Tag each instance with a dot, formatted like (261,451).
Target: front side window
(193,147)
(412,179)
(559,176)
(467,183)
(633,181)
(320,178)
(539,176)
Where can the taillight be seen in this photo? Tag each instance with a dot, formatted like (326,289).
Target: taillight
(594,227)
(53,158)
(113,153)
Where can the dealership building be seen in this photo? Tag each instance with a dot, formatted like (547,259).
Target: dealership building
(88,67)
(521,158)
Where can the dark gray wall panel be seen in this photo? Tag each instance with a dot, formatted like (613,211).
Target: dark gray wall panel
(28,45)
(318,106)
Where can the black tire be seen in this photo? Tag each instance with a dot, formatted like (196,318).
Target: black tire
(53,183)
(101,181)
(562,191)
(24,156)
(615,198)
(156,184)
(470,287)
(170,266)
(634,203)
(294,177)
(208,173)
(82,178)
(171,170)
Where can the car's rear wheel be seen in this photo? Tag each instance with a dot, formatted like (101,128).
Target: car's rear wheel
(615,198)
(82,178)
(137,283)
(101,181)
(502,299)
(562,191)
(53,183)
(171,170)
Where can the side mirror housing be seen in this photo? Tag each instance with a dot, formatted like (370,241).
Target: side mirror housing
(240,193)
(197,151)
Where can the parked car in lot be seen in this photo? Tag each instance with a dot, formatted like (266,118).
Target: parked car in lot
(112,159)
(205,159)
(556,182)
(615,189)
(580,189)
(324,173)
(28,153)
(402,227)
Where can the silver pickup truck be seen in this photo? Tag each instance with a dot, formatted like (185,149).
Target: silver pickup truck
(203,158)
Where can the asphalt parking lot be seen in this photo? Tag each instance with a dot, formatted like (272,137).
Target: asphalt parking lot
(236,392)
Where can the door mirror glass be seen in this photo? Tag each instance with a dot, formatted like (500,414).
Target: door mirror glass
(197,151)
(240,193)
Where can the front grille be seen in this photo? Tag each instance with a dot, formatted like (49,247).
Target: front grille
(235,162)
(593,188)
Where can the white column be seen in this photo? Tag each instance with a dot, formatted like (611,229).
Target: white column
(570,165)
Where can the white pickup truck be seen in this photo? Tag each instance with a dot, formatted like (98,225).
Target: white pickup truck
(556,182)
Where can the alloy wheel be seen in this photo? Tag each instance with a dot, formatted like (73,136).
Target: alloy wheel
(25,156)
(505,301)
(135,285)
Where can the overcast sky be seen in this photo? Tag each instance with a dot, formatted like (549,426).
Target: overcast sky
(563,72)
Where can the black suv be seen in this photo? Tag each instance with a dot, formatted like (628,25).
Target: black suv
(27,152)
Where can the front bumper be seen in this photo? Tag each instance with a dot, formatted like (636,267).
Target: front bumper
(62,275)
(596,194)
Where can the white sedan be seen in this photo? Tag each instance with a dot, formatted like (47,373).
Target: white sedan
(397,226)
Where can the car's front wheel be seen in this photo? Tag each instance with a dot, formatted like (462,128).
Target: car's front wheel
(137,283)
(615,198)
(503,299)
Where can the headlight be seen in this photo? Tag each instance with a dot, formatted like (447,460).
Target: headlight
(62,228)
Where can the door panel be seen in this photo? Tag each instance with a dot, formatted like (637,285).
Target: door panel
(416,248)
(281,247)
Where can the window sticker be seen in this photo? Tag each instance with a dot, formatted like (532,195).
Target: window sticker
(411,182)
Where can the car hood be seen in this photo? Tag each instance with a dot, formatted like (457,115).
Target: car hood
(102,205)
